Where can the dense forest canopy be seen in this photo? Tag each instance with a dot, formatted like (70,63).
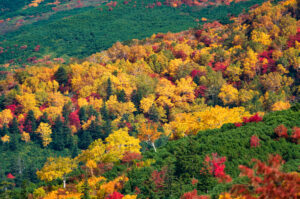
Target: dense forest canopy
(174,115)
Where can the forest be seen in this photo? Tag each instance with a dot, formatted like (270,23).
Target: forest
(209,112)
(41,31)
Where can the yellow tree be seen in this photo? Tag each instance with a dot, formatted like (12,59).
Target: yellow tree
(93,155)
(120,142)
(56,168)
(45,132)
(149,133)
(6,117)
(250,63)
(229,94)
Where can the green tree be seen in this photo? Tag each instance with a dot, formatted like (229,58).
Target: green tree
(61,76)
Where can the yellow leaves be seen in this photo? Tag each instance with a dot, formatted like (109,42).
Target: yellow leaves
(120,142)
(229,94)
(274,81)
(45,132)
(261,37)
(119,108)
(6,117)
(25,137)
(35,3)
(229,196)
(53,112)
(250,63)
(114,185)
(165,88)
(148,132)
(27,101)
(210,118)
(246,95)
(5,138)
(146,103)
(185,89)
(130,197)
(96,103)
(82,102)
(278,106)
(95,152)
(56,168)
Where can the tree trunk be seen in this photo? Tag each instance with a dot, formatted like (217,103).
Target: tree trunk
(64,180)
(153,146)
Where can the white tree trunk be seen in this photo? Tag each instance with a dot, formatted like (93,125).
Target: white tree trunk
(153,146)
(64,180)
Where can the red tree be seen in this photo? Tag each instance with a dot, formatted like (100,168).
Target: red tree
(267,181)
(281,131)
(254,141)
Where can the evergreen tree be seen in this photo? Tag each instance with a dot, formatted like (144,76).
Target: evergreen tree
(136,98)
(74,148)
(14,141)
(108,89)
(61,76)
(4,131)
(82,115)
(30,125)
(85,139)
(95,130)
(14,127)
(58,139)
(2,102)
(24,191)
(44,118)
(67,109)
(104,112)
(121,96)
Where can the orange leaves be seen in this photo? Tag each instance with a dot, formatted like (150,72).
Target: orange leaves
(148,132)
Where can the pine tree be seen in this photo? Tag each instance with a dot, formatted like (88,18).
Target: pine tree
(85,139)
(82,115)
(104,112)
(14,127)
(30,125)
(67,109)
(108,89)
(121,96)
(61,76)
(14,141)
(2,102)
(58,139)
(44,118)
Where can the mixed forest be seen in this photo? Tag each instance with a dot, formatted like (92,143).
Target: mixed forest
(65,29)
(209,112)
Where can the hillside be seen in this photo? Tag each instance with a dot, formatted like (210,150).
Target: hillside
(174,115)
(87,27)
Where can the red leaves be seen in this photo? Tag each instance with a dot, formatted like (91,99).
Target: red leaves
(267,181)
(255,118)
(158,177)
(37,48)
(296,134)
(193,195)
(216,167)
(115,195)
(74,119)
(254,141)
(281,131)
(131,156)
(10,176)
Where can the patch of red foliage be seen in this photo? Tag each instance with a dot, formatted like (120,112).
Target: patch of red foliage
(193,195)
(281,131)
(266,180)
(216,167)
(254,141)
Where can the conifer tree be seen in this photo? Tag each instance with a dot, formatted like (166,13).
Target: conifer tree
(61,76)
